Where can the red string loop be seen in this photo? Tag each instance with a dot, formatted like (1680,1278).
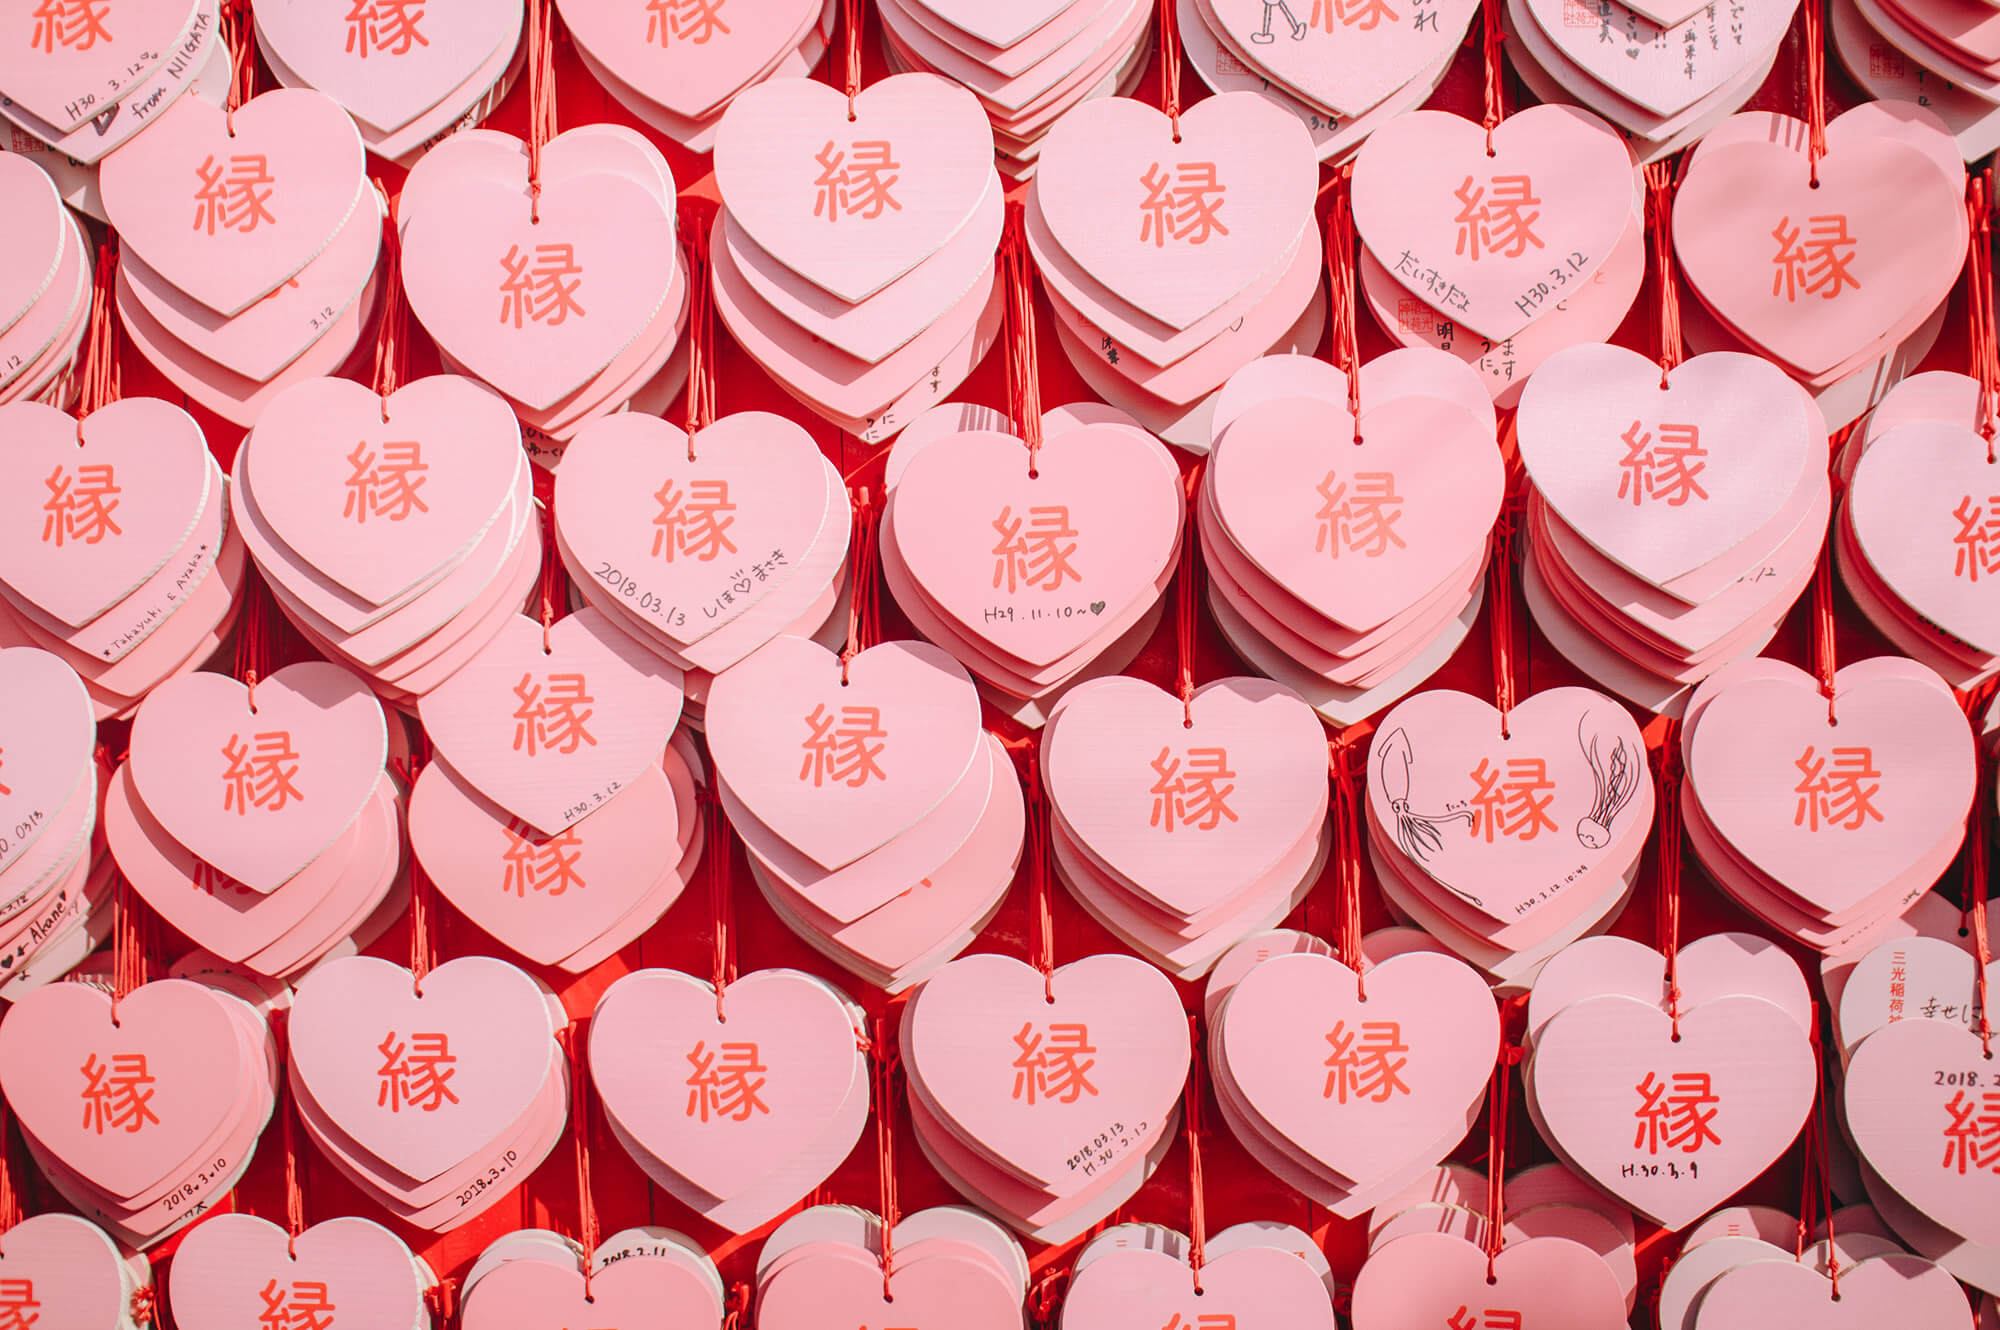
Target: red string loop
(575,1044)
(1342,342)
(1185,578)
(1815,35)
(1042,931)
(850,23)
(1170,64)
(1490,39)
(695,221)
(1341,754)
(541,61)
(287,1112)
(1191,1123)
(1982,340)
(128,951)
(101,379)
(1667,824)
(864,611)
(235,31)
(721,899)
(392,333)
(1500,592)
(1662,180)
(1825,662)
(884,1056)
(1497,1109)
(1024,390)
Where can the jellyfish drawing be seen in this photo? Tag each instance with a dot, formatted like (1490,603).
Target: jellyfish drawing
(1418,833)
(1616,776)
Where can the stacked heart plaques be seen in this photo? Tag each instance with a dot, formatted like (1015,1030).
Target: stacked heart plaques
(54,880)
(951,1266)
(565,293)
(1045,1100)
(1912,72)
(1737,1281)
(397,534)
(1508,837)
(1951,53)
(1500,257)
(1835,270)
(238,1265)
(880,821)
(702,549)
(266,274)
(45,295)
(1406,1045)
(1035,570)
(1263,1273)
(1675,516)
(1183,828)
(1346,557)
(1672,1100)
(853,255)
(141,1113)
(260,824)
(435,1095)
(1028,64)
(533,1276)
(677,66)
(120,556)
(1176,252)
(408,75)
(1342,69)
(83,81)
(73,1270)
(1655,69)
(739,1102)
(1921,454)
(1827,817)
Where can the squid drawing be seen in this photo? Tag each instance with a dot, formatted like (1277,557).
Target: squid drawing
(1418,834)
(1616,776)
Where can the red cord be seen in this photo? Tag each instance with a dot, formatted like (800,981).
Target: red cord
(1815,88)
(1043,941)
(1489,13)
(101,378)
(579,1128)
(1825,664)
(392,333)
(1979,304)
(1346,817)
(1500,591)
(864,626)
(1191,1122)
(721,899)
(1170,65)
(1184,600)
(541,60)
(1661,181)
(1340,267)
(1668,826)
(700,393)
(850,21)
(885,1060)
(1024,392)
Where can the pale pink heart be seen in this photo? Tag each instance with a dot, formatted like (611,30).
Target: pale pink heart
(1426,1280)
(1911,1088)
(674,533)
(1741,414)
(1747,207)
(1763,738)
(635,1290)
(1004,26)
(933,1283)
(70,1268)
(259,786)
(60,1039)
(775,719)
(1279,467)
(960,1036)
(387,75)
(27,195)
(1134,1289)
(544,896)
(1347,66)
(436,463)
(275,331)
(1648,64)
(1436,751)
(45,745)
(222,1266)
(551,732)
(280,179)
(68,66)
(1547,210)
(972,511)
(494,1020)
(778,139)
(1912,493)
(1299,1006)
(608,242)
(88,553)
(654,1029)
(1594,1064)
(890,319)
(1091,186)
(1120,740)
(683,59)
(1719,965)
(1896,1289)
